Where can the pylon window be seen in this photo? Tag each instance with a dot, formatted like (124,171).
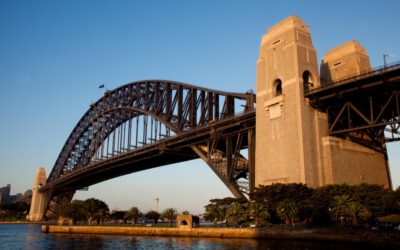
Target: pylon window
(278,87)
(307,80)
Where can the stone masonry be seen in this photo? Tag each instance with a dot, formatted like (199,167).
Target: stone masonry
(292,142)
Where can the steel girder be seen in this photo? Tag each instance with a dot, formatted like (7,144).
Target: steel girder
(364,108)
(148,121)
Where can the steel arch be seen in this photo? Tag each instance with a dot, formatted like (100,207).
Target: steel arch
(211,124)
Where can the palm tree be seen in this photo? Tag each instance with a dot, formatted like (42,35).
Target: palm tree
(170,214)
(340,207)
(234,213)
(258,212)
(287,211)
(214,213)
(133,214)
(357,211)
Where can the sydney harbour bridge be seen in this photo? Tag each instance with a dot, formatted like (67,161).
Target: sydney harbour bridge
(148,124)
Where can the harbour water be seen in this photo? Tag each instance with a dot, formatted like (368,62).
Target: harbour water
(30,237)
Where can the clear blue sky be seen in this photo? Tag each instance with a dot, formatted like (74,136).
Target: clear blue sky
(55,54)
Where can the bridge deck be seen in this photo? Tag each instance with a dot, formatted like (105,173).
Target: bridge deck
(381,80)
(169,151)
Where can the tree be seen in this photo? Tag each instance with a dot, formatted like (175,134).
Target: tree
(214,213)
(133,214)
(118,216)
(234,213)
(320,203)
(343,207)
(270,196)
(258,212)
(391,201)
(357,212)
(74,210)
(169,214)
(339,207)
(371,196)
(14,211)
(152,215)
(95,209)
(216,209)
(287,211)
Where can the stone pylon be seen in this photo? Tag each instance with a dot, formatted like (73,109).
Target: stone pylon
(38,199)
(293,143)
(288,131)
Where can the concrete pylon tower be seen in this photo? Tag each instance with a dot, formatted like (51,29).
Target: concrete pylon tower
(288,130)
(293,144)
(38,199)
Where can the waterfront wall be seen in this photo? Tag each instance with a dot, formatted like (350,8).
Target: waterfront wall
(391,239)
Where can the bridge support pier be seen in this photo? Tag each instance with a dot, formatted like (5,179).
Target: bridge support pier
(37,209)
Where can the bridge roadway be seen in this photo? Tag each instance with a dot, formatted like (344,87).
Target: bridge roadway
(172,150)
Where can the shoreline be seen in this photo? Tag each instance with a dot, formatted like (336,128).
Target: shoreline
(377,238)
(26,222)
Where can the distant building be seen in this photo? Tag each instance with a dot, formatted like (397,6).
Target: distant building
(5,194)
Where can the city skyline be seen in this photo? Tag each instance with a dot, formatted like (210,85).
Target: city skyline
(56,55)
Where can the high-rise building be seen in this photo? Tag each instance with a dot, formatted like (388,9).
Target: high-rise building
(5,194)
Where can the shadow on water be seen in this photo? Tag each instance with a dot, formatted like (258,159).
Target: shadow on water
(30,237)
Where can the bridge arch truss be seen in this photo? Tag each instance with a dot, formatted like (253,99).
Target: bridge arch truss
(151,123)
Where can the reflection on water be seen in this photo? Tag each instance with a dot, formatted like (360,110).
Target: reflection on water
(30,237)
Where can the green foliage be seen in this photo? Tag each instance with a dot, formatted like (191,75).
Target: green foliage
(118,216)
(391,202)
(169,214)
(339,210)
(235,213)
(217,208)
(89,210)
(346,209)
(14,211)
(320,206)
(357,212)
(258,212)
(153,216)
(214,213)
(275,193)
(73,210)
(270,196)
(287,211)
(371,196)
(95,209)
(322,198)
(133,214)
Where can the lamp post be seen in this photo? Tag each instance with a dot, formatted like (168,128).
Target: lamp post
(157,201)
(384,60)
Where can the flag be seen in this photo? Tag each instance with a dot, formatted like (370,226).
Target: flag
(101,86)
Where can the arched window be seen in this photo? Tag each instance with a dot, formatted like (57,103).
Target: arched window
(307,80)
(278,87)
